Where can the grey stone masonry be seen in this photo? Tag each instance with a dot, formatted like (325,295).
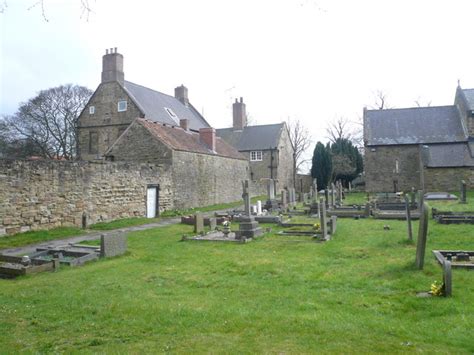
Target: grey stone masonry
(422,236)
(113,244)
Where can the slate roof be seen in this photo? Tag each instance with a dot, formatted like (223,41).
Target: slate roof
(179,139)
(420,125)
(261,137)
(469,95)
(153,105)
(448,155)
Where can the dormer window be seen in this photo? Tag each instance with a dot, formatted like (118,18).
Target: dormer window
(91,110)
(122,106)
(173,115)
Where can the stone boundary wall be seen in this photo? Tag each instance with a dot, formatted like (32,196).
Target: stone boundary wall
(448,179)
(46,194)
(205,179)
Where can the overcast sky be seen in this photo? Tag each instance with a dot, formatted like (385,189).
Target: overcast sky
(312,60)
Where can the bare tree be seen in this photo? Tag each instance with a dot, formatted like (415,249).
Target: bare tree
(419,103)
(86,9)
(301,141)
(49,120)
(380,102)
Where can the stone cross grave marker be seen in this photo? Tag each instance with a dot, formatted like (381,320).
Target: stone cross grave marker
(463,192)
(246,197)
(113,244)
(422,235)
(271,189)
(408,216)
(198,223)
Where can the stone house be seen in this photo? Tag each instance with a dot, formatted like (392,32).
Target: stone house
(429,148)
(202,169)
(117,102)
(268,148)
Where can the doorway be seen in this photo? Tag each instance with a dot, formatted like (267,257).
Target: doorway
(152,201)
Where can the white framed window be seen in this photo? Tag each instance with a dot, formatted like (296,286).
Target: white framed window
(256,155)
(122,106)
(173,115)
(91,110)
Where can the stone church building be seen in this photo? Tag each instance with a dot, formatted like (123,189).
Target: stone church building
(429,148)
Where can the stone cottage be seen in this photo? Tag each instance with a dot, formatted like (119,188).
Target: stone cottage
(268,148)
(196,168)
(430,148)
(117,102)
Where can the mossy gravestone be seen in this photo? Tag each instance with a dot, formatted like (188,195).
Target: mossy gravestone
(422,235)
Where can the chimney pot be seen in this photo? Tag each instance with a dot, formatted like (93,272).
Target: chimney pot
(106,51)
(112,66)
(184,123)
(239,114)
(207,136)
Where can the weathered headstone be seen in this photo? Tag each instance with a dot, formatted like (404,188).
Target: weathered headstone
(333,223)
(284,199)
(421,199)
(447,278)
(198,223)
(113,244)
(463,192)
(408,217)
(367,209)
(271,189)
(315,191)
(323,220)
(326,197)
(212,223)
(259,207)
(422,235)
(350,187)
(246,197)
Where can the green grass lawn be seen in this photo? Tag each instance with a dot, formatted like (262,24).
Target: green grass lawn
(279,294)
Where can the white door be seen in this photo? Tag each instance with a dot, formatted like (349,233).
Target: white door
(151,202)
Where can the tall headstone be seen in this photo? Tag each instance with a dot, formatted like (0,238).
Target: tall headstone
(350,186)
(326,197)
(408,217)
(315,191)
(323,220)
(422,235)
(339,192)
(271,189)
(447,278)
(421,198)
(198,223)
(284,199)
(463,192)
(259,207)
(246,197)
(333,195)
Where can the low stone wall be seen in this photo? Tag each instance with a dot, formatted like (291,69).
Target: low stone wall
(448,179)
(46,194)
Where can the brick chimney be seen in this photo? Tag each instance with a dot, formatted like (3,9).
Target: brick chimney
(239,114)
(184,123)
(181,93)
(208,137)
(112,66)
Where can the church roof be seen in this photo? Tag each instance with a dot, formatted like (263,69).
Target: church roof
(159,107)
(448,155)
(419,125)
(261,137)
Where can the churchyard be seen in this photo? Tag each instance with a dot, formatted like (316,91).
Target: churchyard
(357,292)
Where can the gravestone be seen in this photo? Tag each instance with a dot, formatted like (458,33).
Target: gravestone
(212,223)
(246,197)
(422,235)
(408,217)
(421,199)
(315,191)
(113,244)
(323,220)
(198,223)
(350,187)
(447,278)
(326,197)
(463,192)
(333,195)
(284,199)
(271,189)
(259,207)
(333,225)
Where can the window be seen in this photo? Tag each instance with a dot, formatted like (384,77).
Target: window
(93,142)
(256,155)
(173,115)
(122,106)
(91,110)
